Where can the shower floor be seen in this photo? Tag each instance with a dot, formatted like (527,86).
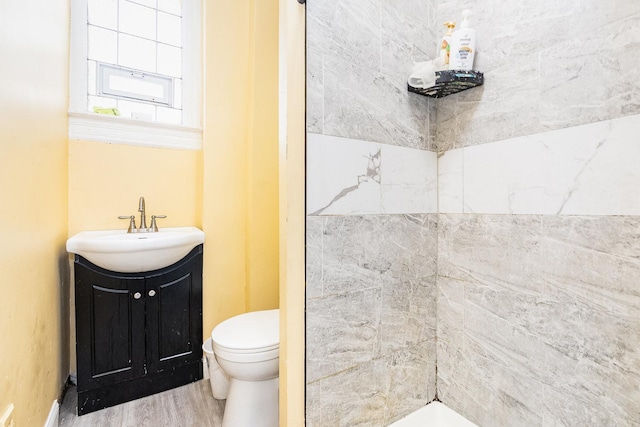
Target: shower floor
(435,414)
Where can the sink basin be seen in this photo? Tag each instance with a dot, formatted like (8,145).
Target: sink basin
(117,250)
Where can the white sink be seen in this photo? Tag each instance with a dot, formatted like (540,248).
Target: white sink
(117,250)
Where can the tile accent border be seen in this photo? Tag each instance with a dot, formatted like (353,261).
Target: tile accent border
(584,170)
(352,177)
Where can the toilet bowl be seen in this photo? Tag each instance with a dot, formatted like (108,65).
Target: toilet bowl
(247,348)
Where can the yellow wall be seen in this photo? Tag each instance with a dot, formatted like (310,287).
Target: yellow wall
(262,208)
(227,100)
(106,180)
(33,206)
(240,173)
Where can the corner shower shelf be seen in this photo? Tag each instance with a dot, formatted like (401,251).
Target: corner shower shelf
(449,82)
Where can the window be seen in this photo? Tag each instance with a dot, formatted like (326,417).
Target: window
(136,72)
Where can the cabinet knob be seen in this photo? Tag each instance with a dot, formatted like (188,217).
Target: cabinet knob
(152,293)
(137,295)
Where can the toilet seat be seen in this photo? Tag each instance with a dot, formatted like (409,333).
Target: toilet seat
(248,337)
(247,357)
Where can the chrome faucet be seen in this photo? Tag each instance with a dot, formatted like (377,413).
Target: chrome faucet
(143,215)
(143,220)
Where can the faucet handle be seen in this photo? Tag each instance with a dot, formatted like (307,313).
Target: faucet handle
(132,222)
(154,226)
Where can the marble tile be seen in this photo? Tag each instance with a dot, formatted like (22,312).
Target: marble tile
(491,249)
(409,181)
(362,103)
(460,399)
(537,310)
(406,247)
(348,177)
(355,397)
(315,91)
(374,393)
(412,379)
(313,245)
(606,298)
(450,320)
(422,12)
(349,29)
(502,108)
(362,252)
(405,37)
(376,313)
(573,171)
(451,182)
(359,57)
(539,316)
(348,264)
(596,59)
(509,398)
(343,176)
(533,174)
(404,251)
(408,315)
(580,74)
(342,332)
(608,183)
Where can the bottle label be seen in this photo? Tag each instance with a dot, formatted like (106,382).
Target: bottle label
(446,48)
(464,53)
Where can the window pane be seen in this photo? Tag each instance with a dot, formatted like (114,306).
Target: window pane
(137,20)
(169,115)
(103,13)
(169,60)
(137,53)
(169,29)
(144,38)
(136,86)
(103,44)
(137,110)
(149,3)
(171,6)
(120,82)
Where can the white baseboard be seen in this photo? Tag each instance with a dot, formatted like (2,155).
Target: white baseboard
(52,419)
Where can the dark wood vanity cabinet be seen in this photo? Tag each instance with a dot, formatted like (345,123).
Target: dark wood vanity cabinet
(137,333)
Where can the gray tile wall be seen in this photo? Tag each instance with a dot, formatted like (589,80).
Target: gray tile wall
(371,287)
(539,316)
(539,319)
(359,56)
(548,65)
(371,318)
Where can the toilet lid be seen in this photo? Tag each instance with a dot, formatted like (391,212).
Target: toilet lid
(258,330)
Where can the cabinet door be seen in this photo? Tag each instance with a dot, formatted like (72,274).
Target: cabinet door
(174,314)
(109,326)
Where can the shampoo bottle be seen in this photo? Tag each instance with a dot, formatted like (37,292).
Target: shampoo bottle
(444,50)
(463,45)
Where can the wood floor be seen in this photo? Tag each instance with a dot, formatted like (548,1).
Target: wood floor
(192,405)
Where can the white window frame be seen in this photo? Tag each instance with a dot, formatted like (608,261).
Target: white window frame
(87,126)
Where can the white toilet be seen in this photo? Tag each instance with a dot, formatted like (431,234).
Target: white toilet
(247,348)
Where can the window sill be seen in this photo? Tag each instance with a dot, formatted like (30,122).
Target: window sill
(119,130)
